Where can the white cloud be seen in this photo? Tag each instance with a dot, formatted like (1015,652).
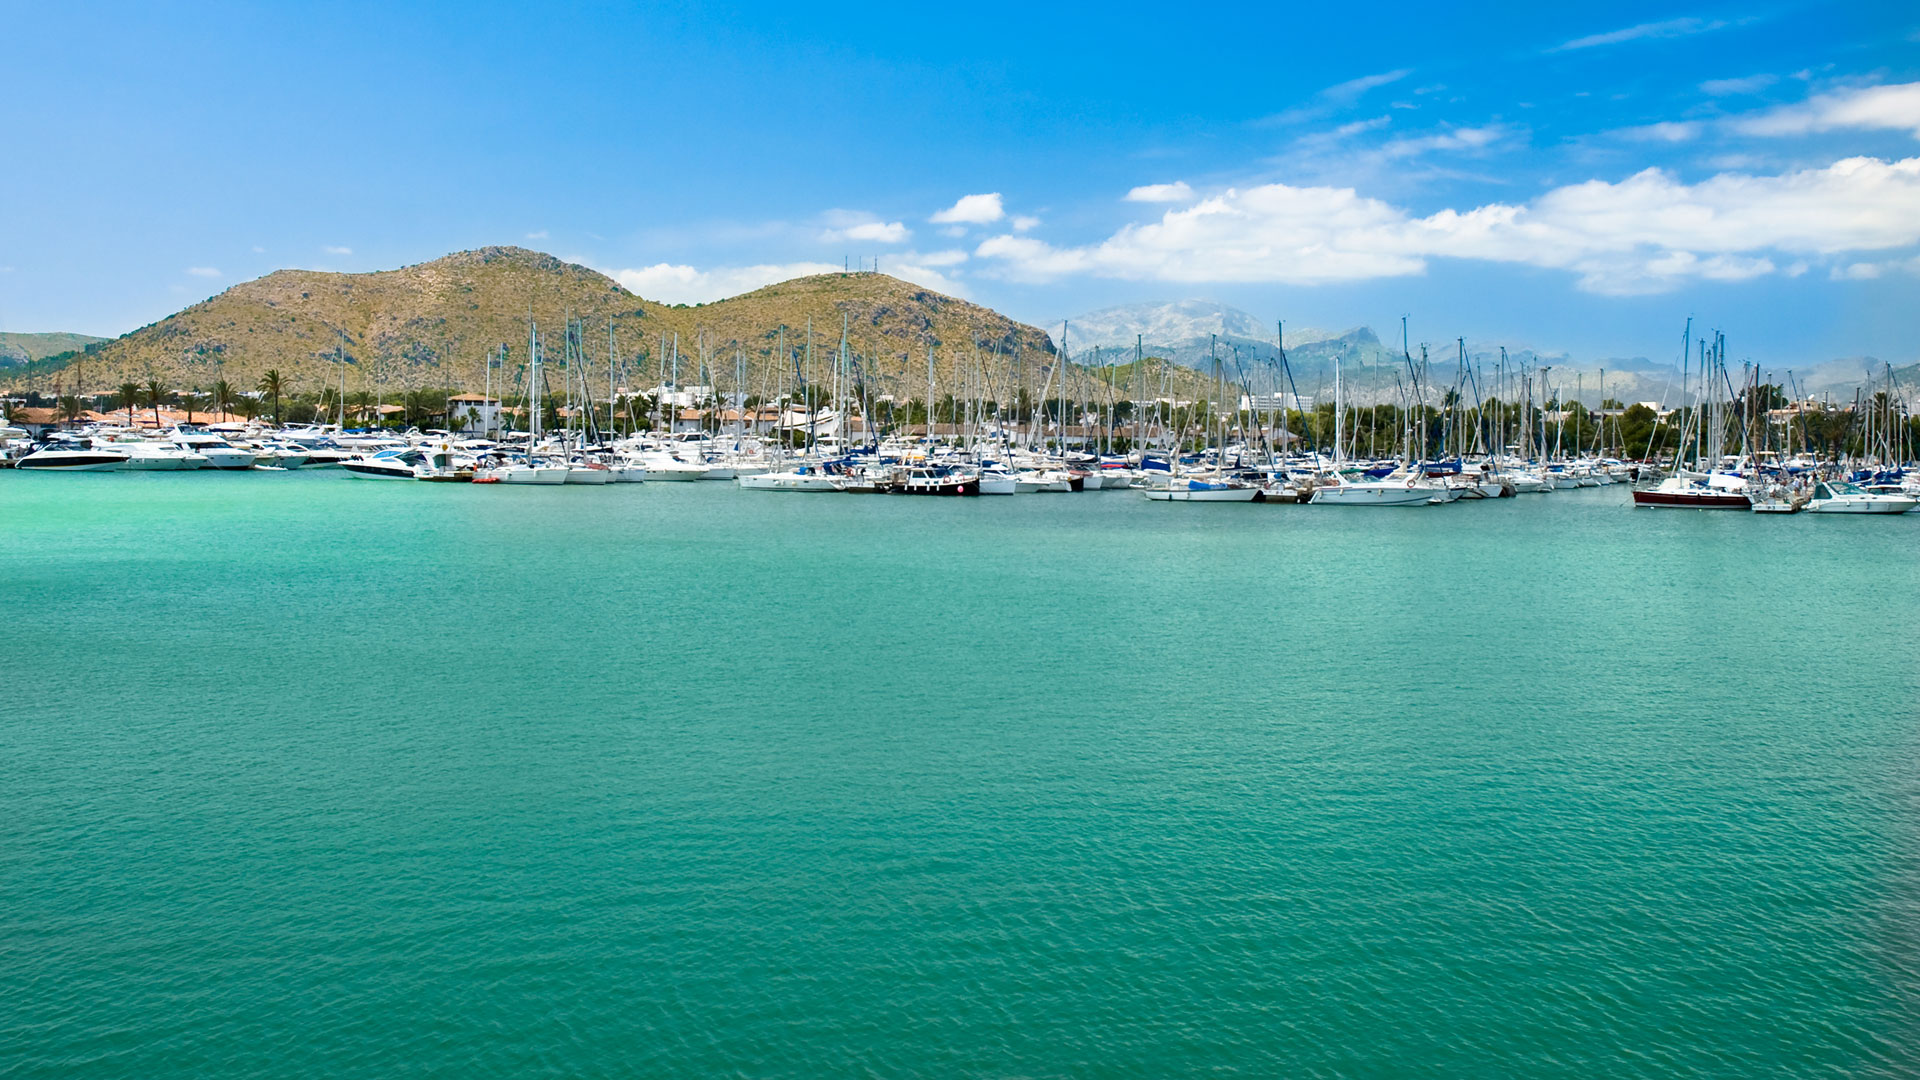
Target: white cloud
(1466,138)
(1176,192)
(972,210)
(924,271)
(1751,84)
(950,257)
(1352,89)
(258,250)
(1333,98)
(1895,107)
(1868,271)
(203,271)
(668,283)
(334,250)
(1021,223)
(1359,126)
(1670,131)
(1647,233)
(1670,28)
(845,225)
(538,234)
(882,232)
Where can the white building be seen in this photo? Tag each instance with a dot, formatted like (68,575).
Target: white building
(1276,402)
(473,413)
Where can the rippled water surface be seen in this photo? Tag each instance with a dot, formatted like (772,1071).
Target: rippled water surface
(302,775)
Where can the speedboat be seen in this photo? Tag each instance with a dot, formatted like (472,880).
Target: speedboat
(384,465)
(72,453)
(1841,497)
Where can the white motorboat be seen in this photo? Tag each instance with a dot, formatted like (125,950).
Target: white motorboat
(997,481)
(801,479)
(384,465)
(1840,497)
(282,453)
(152,455)
(662,466)
(220,453)
(1340,491)
(1528,483)
(1030,481)
(523,473)
(67,453)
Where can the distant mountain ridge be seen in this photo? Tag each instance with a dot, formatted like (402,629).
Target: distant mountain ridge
(433,324)
(17,349)
(1190,332)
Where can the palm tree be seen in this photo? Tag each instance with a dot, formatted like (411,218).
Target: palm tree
(223,397)
(71,407)
(129,397)
(271,385)
(329,403)
(155,394)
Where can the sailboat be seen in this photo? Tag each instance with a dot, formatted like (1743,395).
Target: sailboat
(1341,489)
(530,470)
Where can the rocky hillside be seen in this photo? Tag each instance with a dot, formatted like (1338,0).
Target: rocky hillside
(431,326)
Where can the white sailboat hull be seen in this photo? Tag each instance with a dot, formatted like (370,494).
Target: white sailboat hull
(1243,494)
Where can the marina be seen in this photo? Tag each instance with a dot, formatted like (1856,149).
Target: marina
(769,542)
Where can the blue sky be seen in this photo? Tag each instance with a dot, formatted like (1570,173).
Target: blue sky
(1484,171)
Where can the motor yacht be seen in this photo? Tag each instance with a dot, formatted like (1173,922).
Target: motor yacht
(153,455)
(1841,497)
(220,453)
(385,465)
(74,453)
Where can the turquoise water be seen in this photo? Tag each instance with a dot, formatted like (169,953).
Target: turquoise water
(311,776)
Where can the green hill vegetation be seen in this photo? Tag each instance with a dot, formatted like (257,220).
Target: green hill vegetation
(17,349)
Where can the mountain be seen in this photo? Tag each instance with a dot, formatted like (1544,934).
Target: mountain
(1186,331)
(16,349)
(431,325)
